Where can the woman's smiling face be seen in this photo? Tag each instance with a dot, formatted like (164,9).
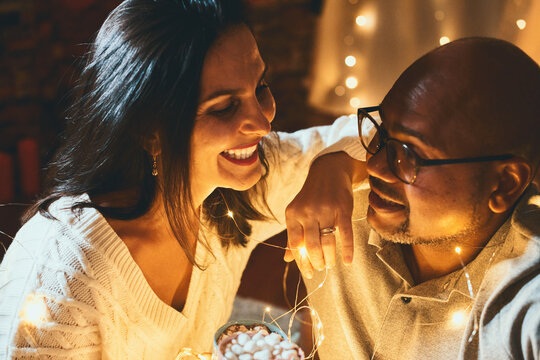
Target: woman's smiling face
(235,110)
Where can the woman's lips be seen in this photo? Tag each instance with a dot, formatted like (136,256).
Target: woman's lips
(244,162)
(382,205)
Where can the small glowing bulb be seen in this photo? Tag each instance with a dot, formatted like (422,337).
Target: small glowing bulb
(439,15)
(34,311)
(458,317)
(444,40)
(303,251)
(361,20)
(230,213)
(458,250)
(340,90)
(350,61)
(319,325)
(521,24)
(355,102)
(348,40)
(267,309)
(351,82)
(313,312)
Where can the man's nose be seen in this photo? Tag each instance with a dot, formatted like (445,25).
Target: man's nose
(377,166)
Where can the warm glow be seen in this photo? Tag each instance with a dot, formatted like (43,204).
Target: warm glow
(361,20)
(230,213)
(521,24)
(35,311)
(340,90)
(366,18)
(535,200)
(444,40)
(439,15)
(350,61)
(355,102)
(319,325)
(458,318)
(458,250)
(303,251)
(351,82)
(267,309)
(313,312)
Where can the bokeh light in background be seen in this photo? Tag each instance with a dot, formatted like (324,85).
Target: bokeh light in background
(363,45)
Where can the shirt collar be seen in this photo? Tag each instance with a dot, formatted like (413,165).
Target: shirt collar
(465,281)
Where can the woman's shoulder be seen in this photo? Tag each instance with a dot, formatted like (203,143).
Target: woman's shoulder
(62,237)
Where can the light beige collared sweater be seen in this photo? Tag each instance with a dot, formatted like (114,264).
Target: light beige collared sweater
(490,310)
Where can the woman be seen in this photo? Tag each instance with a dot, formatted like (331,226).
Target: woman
(130,253)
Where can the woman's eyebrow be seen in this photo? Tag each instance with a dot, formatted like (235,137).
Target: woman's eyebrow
(223,92)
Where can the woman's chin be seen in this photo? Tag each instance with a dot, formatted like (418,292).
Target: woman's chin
(245,183)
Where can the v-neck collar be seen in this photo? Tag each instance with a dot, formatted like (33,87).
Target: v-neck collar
(94,227)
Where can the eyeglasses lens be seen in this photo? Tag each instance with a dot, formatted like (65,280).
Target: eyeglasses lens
(369,134)
(401,160)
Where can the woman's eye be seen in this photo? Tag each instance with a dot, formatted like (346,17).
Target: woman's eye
(222,110)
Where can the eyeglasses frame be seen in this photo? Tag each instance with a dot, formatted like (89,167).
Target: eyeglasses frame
(420,162)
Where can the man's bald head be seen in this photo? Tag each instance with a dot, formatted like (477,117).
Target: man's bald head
(482,94)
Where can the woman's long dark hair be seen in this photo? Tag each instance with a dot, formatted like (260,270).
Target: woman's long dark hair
(141,77)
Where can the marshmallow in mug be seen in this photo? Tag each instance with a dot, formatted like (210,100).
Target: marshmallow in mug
(259,345)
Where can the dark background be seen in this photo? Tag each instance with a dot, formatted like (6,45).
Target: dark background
(40,44)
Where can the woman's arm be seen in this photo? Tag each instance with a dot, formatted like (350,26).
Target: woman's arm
(290,156)
(325,200)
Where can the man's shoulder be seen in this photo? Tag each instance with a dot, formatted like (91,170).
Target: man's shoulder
(526,216)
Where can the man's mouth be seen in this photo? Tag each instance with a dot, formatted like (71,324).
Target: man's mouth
(382,203)
(242,155)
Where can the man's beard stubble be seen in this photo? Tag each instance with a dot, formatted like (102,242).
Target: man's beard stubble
(402,235)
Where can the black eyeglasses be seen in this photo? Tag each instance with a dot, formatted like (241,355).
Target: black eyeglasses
(402,160)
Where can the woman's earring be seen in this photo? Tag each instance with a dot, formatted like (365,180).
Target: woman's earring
(154,166)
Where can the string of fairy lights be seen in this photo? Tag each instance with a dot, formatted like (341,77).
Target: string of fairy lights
(364,25)
(35,312)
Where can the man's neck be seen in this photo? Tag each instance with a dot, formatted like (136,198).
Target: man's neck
(429,261)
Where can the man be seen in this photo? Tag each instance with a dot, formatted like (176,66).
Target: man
(447,264)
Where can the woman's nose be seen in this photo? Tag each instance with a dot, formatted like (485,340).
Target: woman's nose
(377,166)
(259,118)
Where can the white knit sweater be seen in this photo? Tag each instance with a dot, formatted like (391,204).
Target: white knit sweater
(96,301)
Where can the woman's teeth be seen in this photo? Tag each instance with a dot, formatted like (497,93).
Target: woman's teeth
(240,154)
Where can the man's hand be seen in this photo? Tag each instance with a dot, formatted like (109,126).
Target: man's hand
(325,201)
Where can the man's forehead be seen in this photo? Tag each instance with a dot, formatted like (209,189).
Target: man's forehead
(417,123)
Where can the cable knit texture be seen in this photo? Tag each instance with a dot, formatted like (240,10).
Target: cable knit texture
(93,298)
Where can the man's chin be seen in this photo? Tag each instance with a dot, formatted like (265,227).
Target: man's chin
(392,229)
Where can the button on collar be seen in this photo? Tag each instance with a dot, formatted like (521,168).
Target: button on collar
(406,299)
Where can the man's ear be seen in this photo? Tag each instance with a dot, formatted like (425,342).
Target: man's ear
(151,143)
(514,176)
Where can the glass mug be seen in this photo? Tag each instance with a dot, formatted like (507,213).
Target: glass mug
(218,345)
